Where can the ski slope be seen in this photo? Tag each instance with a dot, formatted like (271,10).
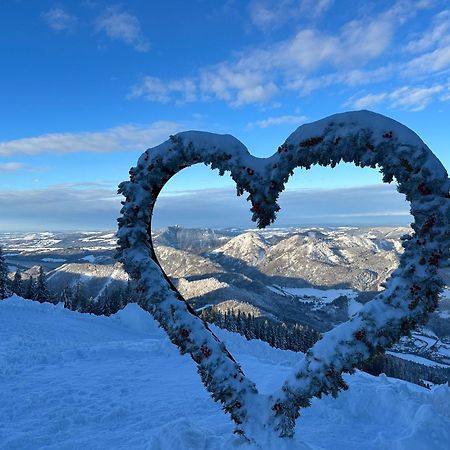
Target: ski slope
(78,381)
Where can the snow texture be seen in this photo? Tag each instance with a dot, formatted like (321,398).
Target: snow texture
(78,381)
(325,295)
(89,258)
(411,292)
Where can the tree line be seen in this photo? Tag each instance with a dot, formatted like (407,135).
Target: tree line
(75,298)
(411,371)
(107,302)
(299,338)
(33,288)
(281,335)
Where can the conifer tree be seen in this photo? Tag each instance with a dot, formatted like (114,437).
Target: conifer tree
(4,282)
(41,291)
(93,307)
(104,302)
(30,288)
(115,300)
(127,294)
(17,285)
(80,302)
(67,297)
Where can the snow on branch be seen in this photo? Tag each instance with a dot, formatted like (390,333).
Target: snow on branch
(411,293)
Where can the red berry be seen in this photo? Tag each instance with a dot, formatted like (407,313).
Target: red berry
(423,189)
(415,289)
(184,332)
(429,223)
(278,407)
(206,351)
(359,335)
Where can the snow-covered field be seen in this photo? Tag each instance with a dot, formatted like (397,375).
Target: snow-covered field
(325,295)
(320,296)
(76,381)
(418,359)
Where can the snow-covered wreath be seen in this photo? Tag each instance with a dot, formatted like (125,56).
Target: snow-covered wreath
(411,292)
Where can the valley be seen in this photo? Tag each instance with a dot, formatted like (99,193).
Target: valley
(316,277)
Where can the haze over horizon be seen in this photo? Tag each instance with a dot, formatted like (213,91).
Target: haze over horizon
(376,205)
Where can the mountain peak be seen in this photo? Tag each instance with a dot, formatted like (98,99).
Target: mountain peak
(248,247)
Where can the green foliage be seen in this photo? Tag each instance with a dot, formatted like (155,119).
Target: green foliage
(17,284)
(41,293)
(296,337)
(4,282)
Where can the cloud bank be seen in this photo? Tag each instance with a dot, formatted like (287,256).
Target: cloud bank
(376,46)
(121,138)
(95,206)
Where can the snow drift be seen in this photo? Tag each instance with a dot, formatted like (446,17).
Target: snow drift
(71,380)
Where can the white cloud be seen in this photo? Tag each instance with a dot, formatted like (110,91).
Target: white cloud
(63,206)
(257,75)
(437,34)
(446,96)
(406,97)
(11,167)
(125,27)
(153,89)
(368,101)
(431,62)
(121,138)
(370,205)
(264,16)
(360,52)
(270,14)
(280,120)
(17,167)
(414,99)
(236,86)
(59,20)
(96,206)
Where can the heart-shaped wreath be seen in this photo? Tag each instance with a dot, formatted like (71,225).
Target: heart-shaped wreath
(411,292)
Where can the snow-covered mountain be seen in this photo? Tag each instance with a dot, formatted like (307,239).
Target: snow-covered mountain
(195,240)
(335,257)
(51,249)
(95,278)
(248,247)
(181,263)
(72,381)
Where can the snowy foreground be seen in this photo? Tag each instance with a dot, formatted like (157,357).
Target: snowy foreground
(76,381)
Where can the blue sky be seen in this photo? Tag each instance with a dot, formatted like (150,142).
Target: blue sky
(87,86)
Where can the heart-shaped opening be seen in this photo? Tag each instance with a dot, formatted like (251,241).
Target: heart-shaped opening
(368,140)
(289,283)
